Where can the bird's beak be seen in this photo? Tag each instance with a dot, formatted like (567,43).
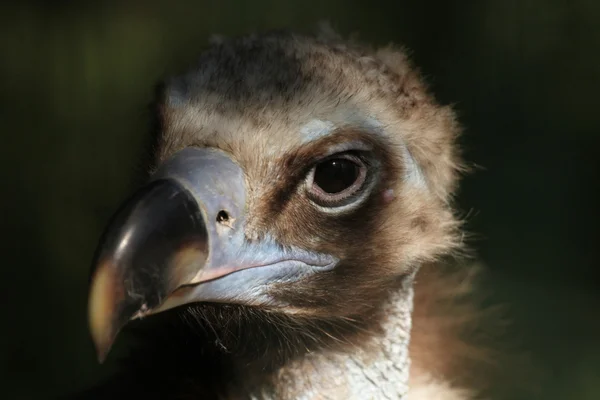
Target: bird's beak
(180,239)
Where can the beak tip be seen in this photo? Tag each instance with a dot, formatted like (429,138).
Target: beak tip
(101,353)
(101,310)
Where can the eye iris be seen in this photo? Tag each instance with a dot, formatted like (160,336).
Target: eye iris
(334,176)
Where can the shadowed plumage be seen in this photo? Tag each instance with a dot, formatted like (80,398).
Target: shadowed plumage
(298,186)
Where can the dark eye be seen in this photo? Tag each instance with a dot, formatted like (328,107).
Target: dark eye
(334,176)
(335,180)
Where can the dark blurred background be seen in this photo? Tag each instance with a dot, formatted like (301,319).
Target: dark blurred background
(75,78)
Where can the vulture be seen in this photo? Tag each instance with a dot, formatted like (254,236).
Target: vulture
(291,238)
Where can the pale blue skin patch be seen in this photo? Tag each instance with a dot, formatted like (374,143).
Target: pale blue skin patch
(413,173)
(316,129)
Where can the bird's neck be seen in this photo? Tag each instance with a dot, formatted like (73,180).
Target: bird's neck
(376,370)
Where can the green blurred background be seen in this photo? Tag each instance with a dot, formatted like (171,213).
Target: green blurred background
(75,78)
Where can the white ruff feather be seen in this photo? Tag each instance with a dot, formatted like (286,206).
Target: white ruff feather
(379,370)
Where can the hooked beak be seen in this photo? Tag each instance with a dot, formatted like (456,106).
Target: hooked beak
(180,239)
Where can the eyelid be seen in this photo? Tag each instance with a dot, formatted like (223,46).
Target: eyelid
(348,155)
(336,202)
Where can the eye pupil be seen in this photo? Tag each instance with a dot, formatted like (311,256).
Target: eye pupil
(336,175)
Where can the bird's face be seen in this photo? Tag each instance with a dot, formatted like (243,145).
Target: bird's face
(285,180)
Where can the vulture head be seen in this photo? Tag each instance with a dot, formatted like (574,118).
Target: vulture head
(297,186)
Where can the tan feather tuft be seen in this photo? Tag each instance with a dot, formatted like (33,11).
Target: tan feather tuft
(453,334)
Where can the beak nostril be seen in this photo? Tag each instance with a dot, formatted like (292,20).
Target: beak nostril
(223,217)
